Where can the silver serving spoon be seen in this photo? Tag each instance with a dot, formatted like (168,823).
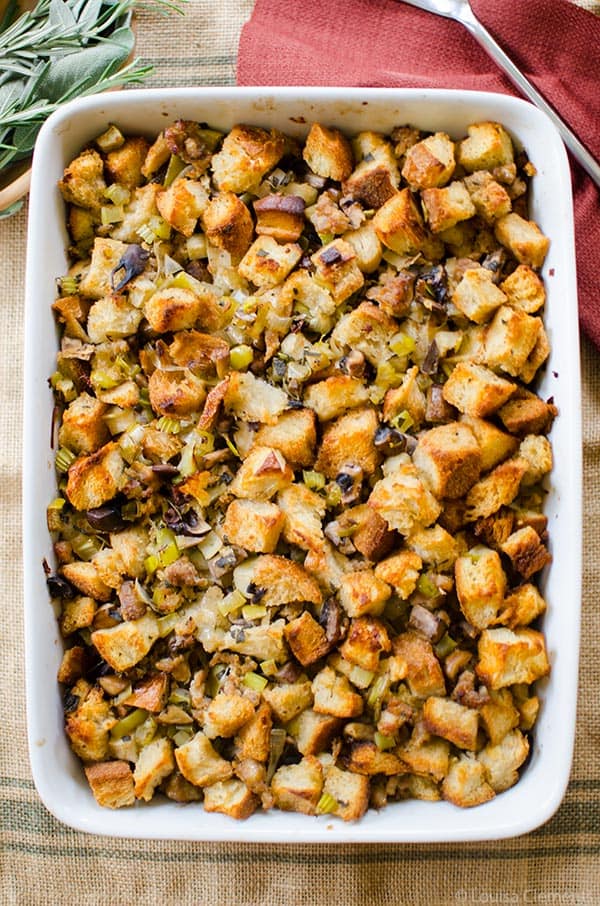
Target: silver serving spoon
(462,12)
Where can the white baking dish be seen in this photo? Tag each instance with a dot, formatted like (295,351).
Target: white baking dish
(57,773)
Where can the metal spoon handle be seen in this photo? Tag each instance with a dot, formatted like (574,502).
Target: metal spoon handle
(578,150)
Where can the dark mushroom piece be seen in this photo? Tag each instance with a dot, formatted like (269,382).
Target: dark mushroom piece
(390,441)
(132,263)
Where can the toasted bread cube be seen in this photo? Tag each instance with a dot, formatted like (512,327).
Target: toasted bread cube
(297,787)
(475,390)
(522,606)
(488,146)
(305,297)
(228,224)
(130,547)
(452,721)
(287,700)
(158,155)
(337,270)
(155,762)
(293,434)
(124,165)
(334,395)
(528,712)
(490,198)
(284,580)
(427,756)
(435,546)
(526,551)
(306,639)
(365,758)
(193,349)
(182,204)
(106,255)
(499,715)
(313,732)
(503,760)
(527,414)
(507,657)
(498,488)
(536,358)
(88,726)
(83,182)
(170,394)
(362,592)
(424,673)
(399,226)
(150,693)
(349,440)
(267,263)
(261,475)
(466,784)
(350,791)
(536,450)
(404,501)
(247,154)
(430,162)
(369,330)
(137,212)
(401,571)
(112,318)
(523,238)
(408,396)
(200,763)
(280,216)
(230,797)
(87,579)
(446,207)
(476,296)
(333,695)
(226,714)
(172,308)
(376,177)
(449,458)
(509,339)
(328,153)
(94,479)
(72,665)
(367,247)
(524,289)
(302,512)
(111,783)
(254,525)
(327,565)
(373,538)
(253,739)
(263,642)
(252,399)
(124,645)
(480,586)
(366,641)
(83,429)
(495,445)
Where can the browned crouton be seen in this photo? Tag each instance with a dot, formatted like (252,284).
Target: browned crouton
(287,700)
(327,565)
(435,546)
(226,714)
(78,613)
(522,606)
(328,153)
(536,358)
(373,538)
(480,585)
(367,329)
(400,571)
(307,639)
(262,474)
(376,176)
(183,203)
(284,580)
(490,198)
(228,224)
(430,162)
(94,479)
(83,429)
(399,225)
(72,665)
(89,724)
(449,458)
(111,783)
(466,784)
(498,488)
(364,757)
(297,787)
(313,732)
(174,394)
(247,154)
(367,247)
(112,318)
(86,578)
(350,792)
(172,309)
(509,339)
(527,414)
(444,208)
(124,164)
(503,760)
(83,183)
(408,396)
(476,295)
(488,146)
(280,216)
(403,500)
(333,695)
(150,693)
(267,263)
(200,763)
(293,434)
(424,674)
(363,593)
(230,797)
(193,349)
(253,399)
(523,238)
(366,641)
(526,551)
(302,512)
(335,395)
(337,270)
(427,756)
(499,715)
(476,390)
(254,525)
(452,721)
(494,445)
(106,255)
(349,440)
(507,657)
(253,739)
(155,762)
(123,645)
(524,289)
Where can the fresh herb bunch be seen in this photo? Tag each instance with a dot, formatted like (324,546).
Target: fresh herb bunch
(60,50)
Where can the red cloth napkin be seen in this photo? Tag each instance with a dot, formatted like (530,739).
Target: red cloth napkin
(386,43)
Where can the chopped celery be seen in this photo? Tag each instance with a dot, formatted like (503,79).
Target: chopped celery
(327,804)
(119,420)
(231,603)
(210,545)
(118,194)
(445,646)
(168,623)
(255,681)
(64,459)
(111,213)
(426,587)
(254,611)
(269,668)
(384,742)
(174,168)
(129,723)
(111,139)
(168,425)
(232,447)
(68,285)
(403,421)
(401,344)
(85,546)
(240,357)
(313,480)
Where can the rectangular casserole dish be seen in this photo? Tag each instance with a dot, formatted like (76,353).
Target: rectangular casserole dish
(57,772)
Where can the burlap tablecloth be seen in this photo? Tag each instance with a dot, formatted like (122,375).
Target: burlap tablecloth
(42,861)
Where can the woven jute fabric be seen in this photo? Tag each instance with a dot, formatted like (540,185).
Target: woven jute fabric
(42,861)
